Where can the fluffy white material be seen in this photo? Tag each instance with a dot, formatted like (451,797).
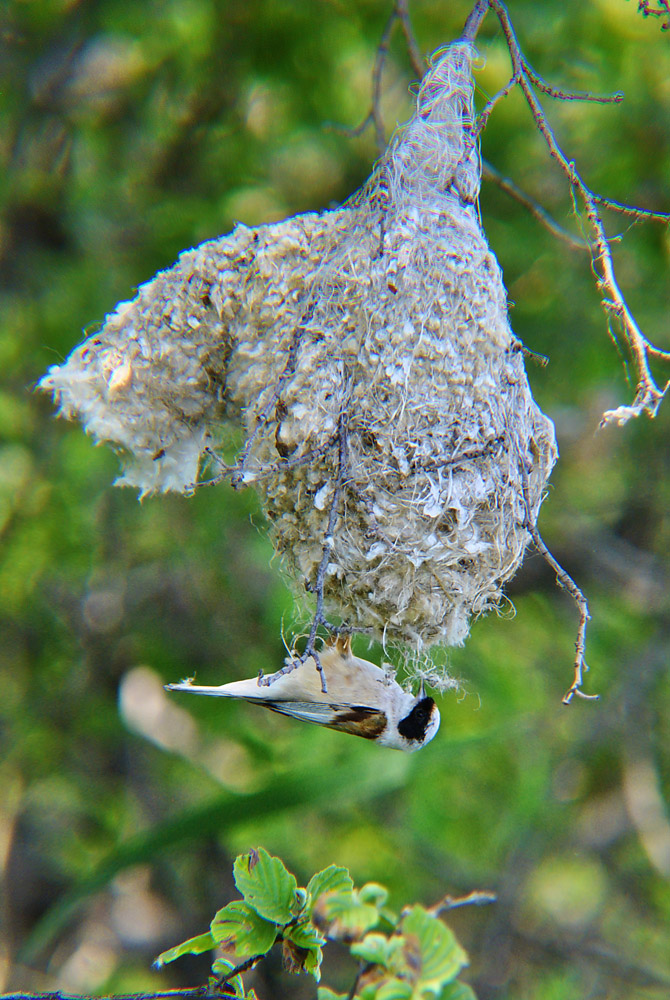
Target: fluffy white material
(391,311)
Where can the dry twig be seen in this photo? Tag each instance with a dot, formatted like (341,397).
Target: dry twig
(319,617)
(648,395)
(662,10)
(238,479)
(534,207)
(477,897)
(565,581)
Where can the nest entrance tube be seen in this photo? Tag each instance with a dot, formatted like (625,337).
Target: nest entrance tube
(367,354)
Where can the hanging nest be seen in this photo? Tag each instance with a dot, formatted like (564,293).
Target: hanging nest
(367,354)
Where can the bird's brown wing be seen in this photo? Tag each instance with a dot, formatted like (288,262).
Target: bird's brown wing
(369,723)
(358,720)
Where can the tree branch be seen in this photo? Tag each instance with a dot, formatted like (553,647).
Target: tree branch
(648,395)
(565,581)
(536,210)
(474,20)
(188,991)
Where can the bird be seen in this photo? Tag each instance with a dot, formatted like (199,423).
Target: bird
(361,698)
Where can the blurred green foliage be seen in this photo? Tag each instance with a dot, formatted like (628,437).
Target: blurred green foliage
(130,132)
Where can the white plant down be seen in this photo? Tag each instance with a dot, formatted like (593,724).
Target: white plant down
(387,317)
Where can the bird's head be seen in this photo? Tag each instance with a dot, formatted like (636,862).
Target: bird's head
(415,724)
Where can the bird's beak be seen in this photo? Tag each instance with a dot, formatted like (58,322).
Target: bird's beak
(422,689)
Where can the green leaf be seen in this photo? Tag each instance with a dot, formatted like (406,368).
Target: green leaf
(219,968)
(376,949)
(307,938)
(331,879)
(373,893)
(194,946)
(325,993)
(388,920)
(305,935)
(313,963)
(432,950)
(239,926)
(457,991)
(342,916)
(387,988)
(394,989)
(266,885)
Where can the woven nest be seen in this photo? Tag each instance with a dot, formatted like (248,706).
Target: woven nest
(368,356)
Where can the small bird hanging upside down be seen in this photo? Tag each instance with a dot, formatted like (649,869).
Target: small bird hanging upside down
(362,699)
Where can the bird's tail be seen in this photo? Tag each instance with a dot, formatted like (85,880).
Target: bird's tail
(236,689)
(222,691)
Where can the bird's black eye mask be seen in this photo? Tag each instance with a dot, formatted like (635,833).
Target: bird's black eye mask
(414,725)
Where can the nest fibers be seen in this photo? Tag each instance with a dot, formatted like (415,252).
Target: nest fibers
(367,354)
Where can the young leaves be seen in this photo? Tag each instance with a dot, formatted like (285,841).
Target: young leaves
(266,886)
(344,916)
(331,879)
(240,927)
(418,962)
(194,946)
(413,957)
(271,903)
(234,984)
(431,947)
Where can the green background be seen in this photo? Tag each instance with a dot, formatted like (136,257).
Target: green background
(130,132)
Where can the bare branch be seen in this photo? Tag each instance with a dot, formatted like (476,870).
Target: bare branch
(474,20)
(244,966)
(237,470)
(417,59)
(351,131)
(328,543)
(400,13)
(377,74)
(648,395)
(238,478)
(642,213)
(567,95)
(195,992)
(374,117)
(317,588)
(663,10)
(536,210)
(475,898)
(485,113)
(565,581)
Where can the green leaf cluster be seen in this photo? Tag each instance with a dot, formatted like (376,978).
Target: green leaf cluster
(419,959)
(411,957)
